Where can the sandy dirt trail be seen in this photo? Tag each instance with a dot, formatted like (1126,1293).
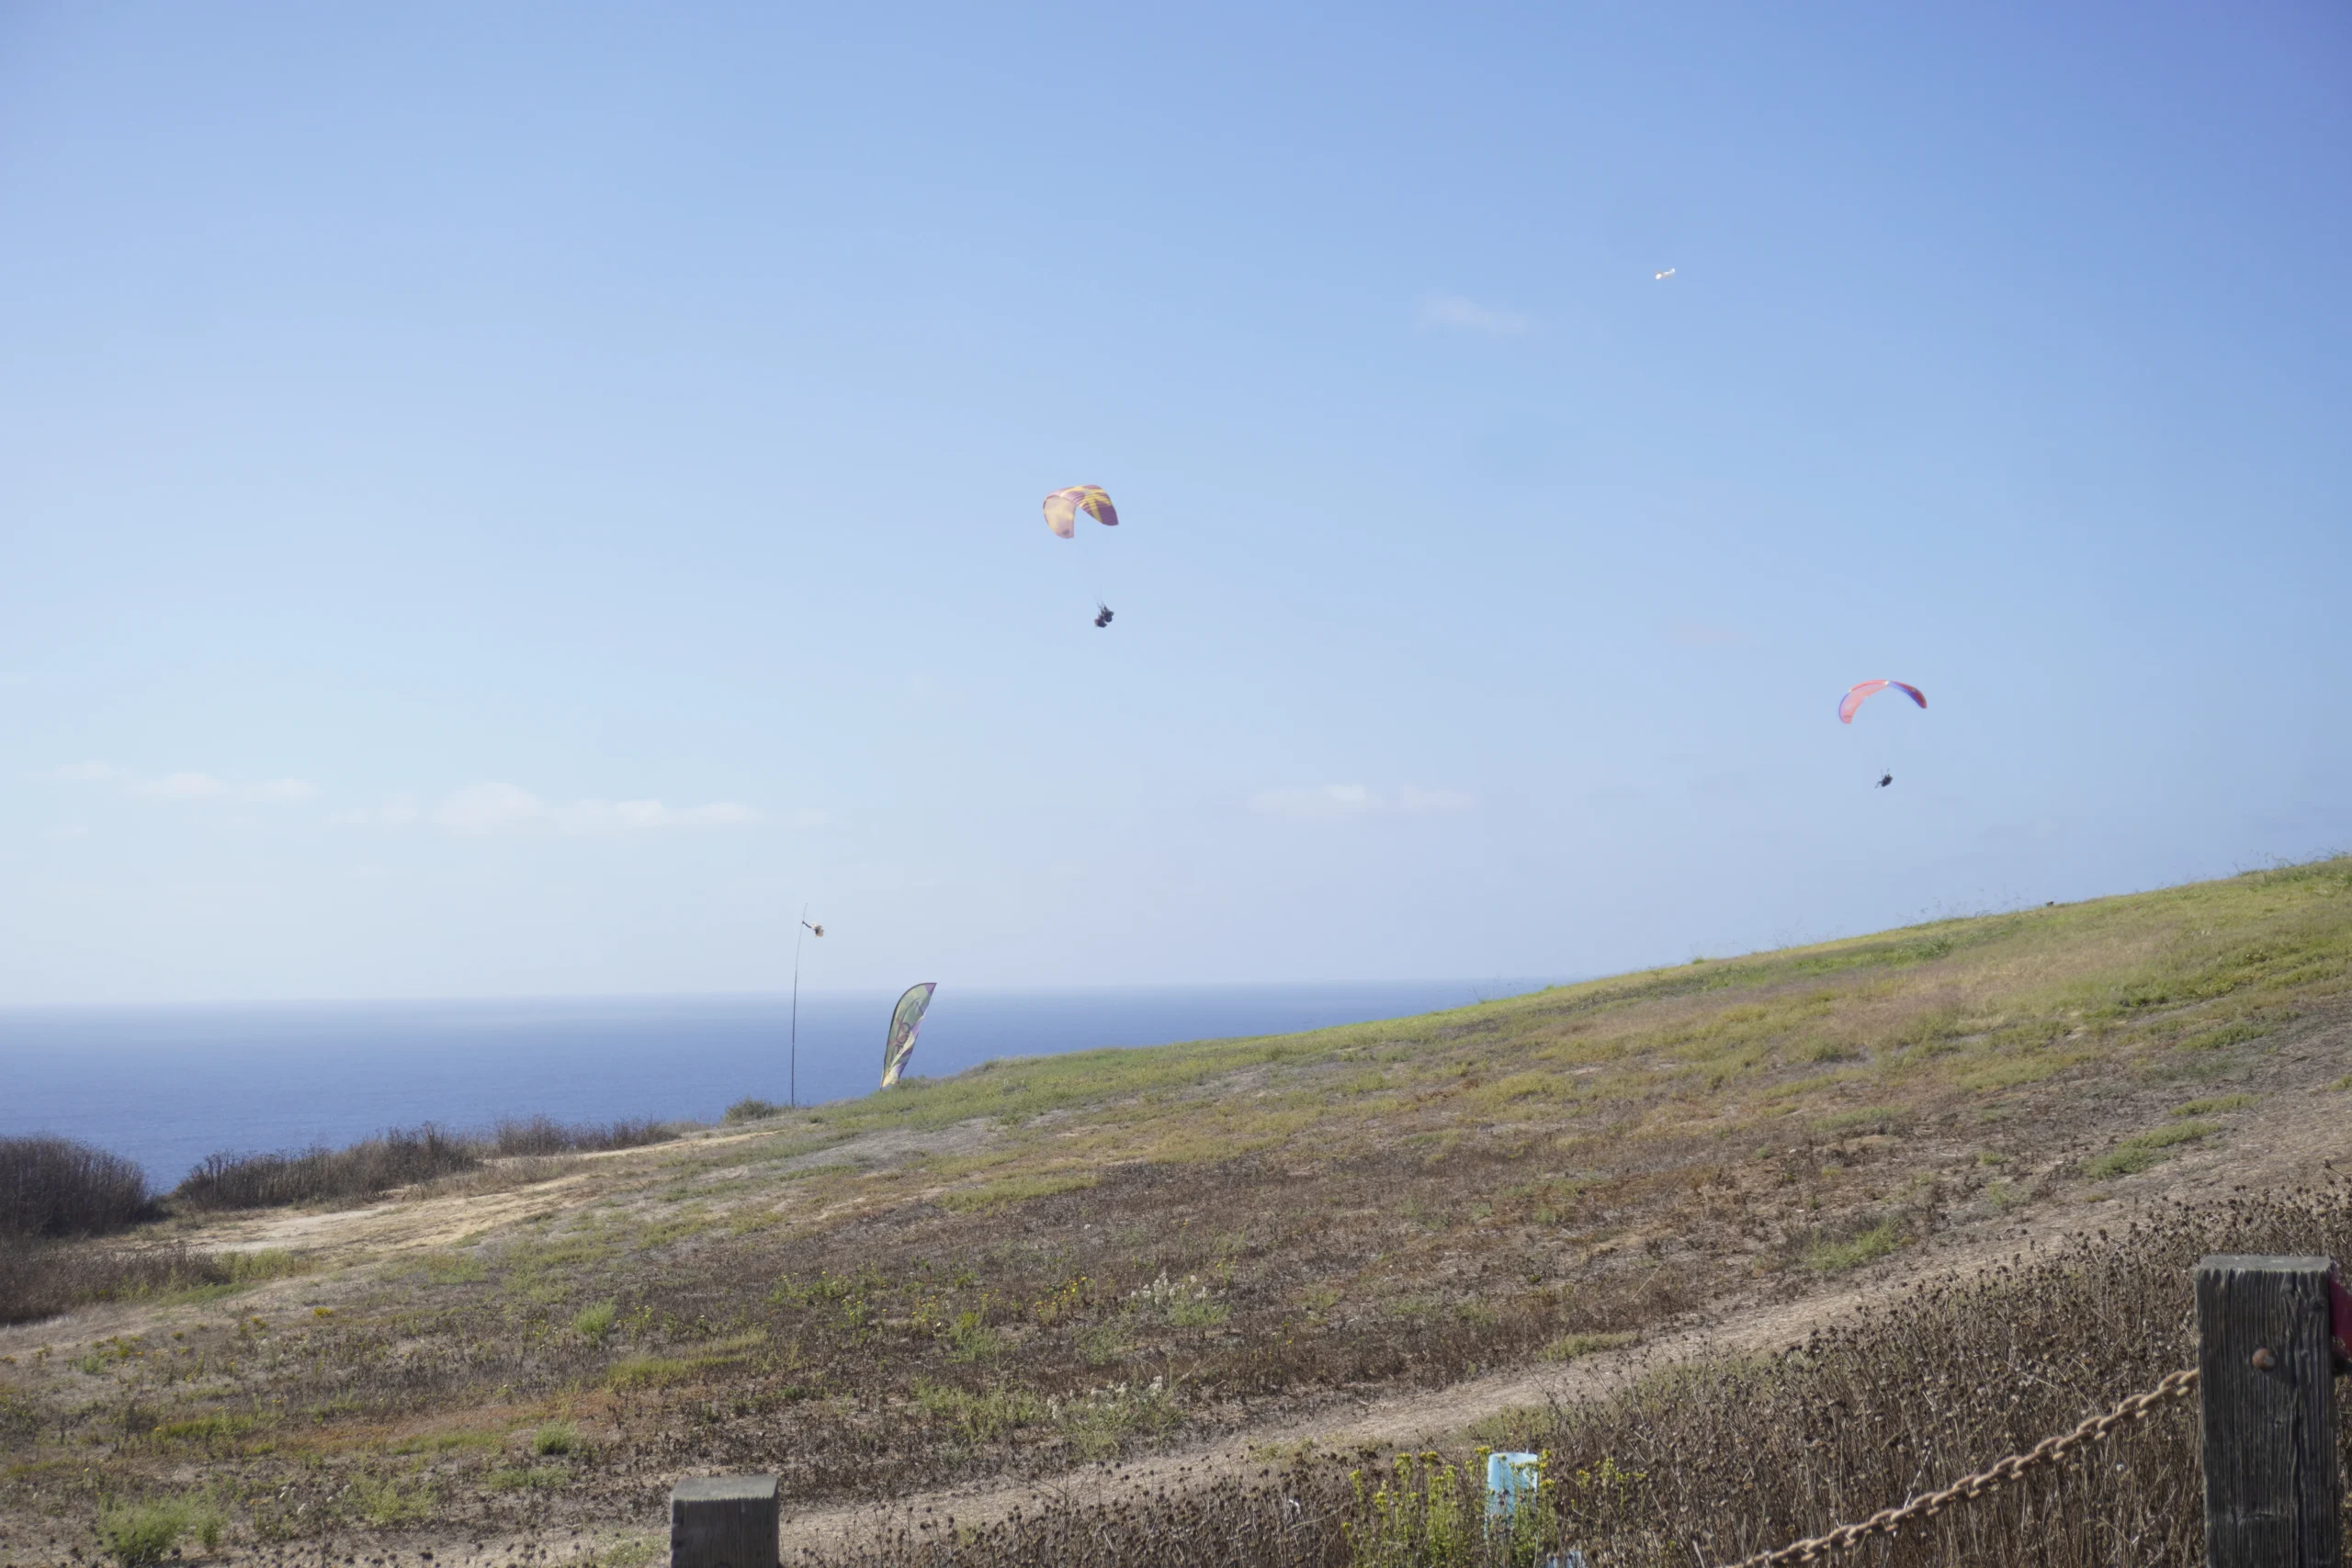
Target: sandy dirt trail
(401,1224)
(409,1223)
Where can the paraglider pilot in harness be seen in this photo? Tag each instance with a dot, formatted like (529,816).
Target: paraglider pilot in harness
(1101,614)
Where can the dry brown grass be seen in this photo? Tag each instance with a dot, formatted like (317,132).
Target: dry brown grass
(403,1157)
(42,1279)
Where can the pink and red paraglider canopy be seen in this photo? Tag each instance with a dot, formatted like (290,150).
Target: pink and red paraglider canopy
(1853,699)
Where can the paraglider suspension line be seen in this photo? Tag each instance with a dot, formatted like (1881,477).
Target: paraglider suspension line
(1093,589)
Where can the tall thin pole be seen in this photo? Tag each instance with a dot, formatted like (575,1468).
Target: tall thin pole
(793,1094)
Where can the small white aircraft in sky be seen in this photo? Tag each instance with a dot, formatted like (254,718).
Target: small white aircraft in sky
(1667,273)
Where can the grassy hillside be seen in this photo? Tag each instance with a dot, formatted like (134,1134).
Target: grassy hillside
(1043,1261)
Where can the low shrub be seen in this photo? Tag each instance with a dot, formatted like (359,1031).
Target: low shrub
(495,1176)
(54,1187)
(545,1135)
(751,1110)
(399,1157)
(44,1280)
(394,1159)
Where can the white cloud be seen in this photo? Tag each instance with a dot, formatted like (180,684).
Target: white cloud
(204,786)
(509,808)
(398,811)
(86,773)
(186,786)
(489,808)
(1331,800)
(1355,800)
(631,816)
(1424,800)
(1464,315)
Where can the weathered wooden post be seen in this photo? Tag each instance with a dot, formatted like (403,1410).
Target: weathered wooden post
(2266,1370)
(723,1522)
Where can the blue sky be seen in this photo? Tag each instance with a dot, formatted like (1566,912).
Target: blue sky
(517,500)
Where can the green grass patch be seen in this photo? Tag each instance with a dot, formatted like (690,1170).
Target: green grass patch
(593,1323)
(447,1442)
(453,1269)
(652,1371)
(2227,1035)
(661,1371)
(971,1340)
(982,1416)
(1103,1422)
(2138,1151)
(1202,1312)
(217,1428)
(557,1439)
(1847,1124)
(387,1504)
(1017,1188)
(264,1264)
(2216,1105)
(1836,1257)
(2015,1072)
(1568,1347)
(692,1221)
(140,1534)
(535,1478)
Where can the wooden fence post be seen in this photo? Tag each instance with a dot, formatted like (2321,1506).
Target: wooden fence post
(723,1522)
(2265,1366)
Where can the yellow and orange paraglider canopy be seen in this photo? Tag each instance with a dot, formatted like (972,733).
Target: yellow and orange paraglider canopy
(1063,506)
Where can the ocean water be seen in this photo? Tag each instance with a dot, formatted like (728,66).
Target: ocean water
(167,1086)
